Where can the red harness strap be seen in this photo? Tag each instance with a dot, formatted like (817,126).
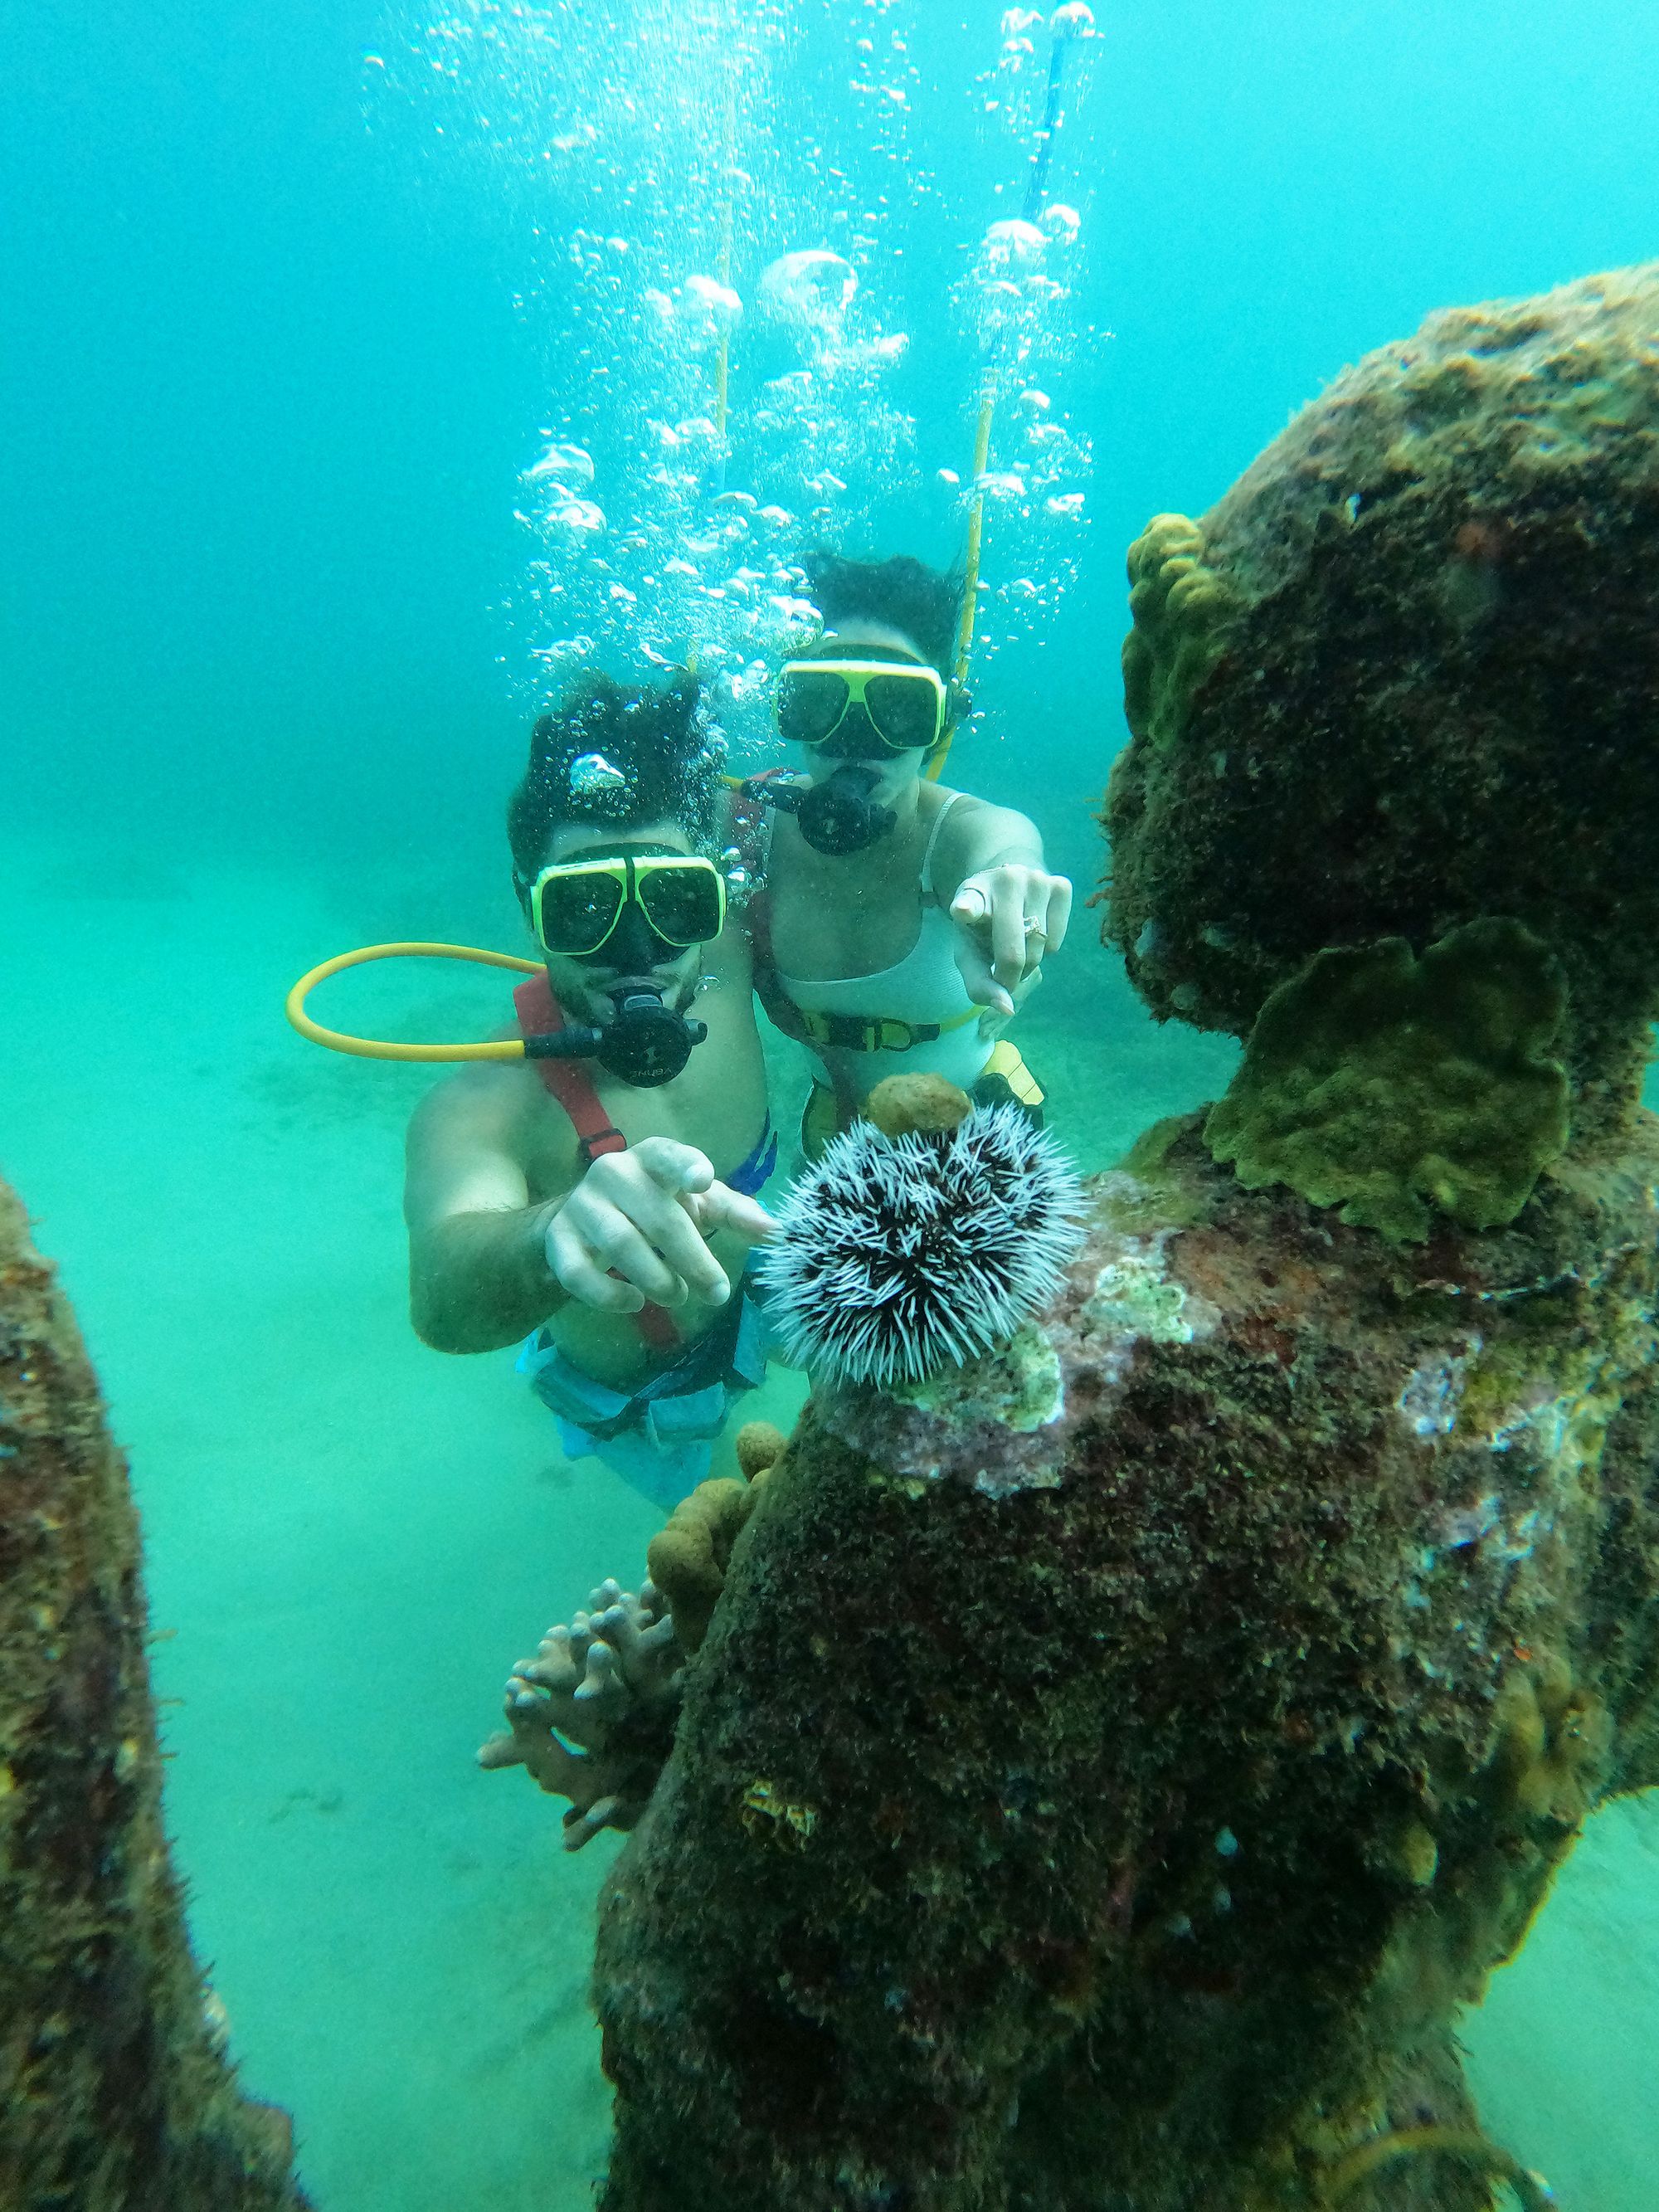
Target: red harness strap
(569,1082)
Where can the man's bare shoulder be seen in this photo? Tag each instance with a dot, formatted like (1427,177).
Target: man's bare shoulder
(497,1107)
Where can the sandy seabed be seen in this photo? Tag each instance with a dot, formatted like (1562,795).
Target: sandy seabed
(350,1538)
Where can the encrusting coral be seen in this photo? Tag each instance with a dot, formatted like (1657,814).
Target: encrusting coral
(688,1558)
(1383,1082)
(1111,1762)
(115,2093)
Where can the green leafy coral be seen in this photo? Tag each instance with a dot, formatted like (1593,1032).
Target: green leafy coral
(1381,1082)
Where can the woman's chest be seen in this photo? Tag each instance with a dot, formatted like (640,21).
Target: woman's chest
(824,930)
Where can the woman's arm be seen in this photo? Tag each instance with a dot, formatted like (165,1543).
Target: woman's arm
(1010,911)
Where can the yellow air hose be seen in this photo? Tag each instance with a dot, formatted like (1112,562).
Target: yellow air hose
(381,1048)
(1064,28)
(987,408)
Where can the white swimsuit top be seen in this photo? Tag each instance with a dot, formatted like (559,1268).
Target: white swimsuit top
(925,986)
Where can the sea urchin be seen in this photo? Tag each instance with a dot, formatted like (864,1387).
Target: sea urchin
(895,1256)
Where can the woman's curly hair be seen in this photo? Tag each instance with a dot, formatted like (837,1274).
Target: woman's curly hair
(902,593)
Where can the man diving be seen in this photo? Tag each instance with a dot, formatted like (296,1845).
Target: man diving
(603,1208)
(902,922)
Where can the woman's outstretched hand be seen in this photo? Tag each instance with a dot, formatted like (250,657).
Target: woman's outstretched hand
(1008,918)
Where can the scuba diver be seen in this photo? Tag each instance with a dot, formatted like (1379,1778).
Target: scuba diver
(901,922)
(595,1205)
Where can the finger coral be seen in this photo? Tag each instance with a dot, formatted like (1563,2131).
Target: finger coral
(592,1717)
(896,1256)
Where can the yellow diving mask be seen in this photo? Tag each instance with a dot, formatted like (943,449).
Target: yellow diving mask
(575,906)
(906,703)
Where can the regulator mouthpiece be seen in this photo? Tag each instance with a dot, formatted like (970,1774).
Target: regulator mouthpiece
(836,817)
(645,1044)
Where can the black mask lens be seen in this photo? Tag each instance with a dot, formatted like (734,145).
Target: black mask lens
(810,704)
(683,904)
(574,913)
(904,710)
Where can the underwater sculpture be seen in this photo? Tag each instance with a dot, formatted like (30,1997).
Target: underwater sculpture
(115,2093)
(1112,1762)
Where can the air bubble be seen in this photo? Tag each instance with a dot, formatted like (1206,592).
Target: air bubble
(570,464)
(811,288)
(1012,244)
(578,515)
(1073,20)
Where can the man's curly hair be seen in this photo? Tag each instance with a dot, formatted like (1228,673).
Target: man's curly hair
(654,738)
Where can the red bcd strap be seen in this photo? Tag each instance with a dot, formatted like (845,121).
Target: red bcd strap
(569,1082)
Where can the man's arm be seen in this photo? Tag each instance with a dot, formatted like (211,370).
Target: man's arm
(478,1274)
(486,1267)
(1009,910)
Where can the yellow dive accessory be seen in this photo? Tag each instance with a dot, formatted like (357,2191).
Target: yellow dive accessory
(906,703)
(877,1032)
(379,1048)
(1066,26)
(575,905)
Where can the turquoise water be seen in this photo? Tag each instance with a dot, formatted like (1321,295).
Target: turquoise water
(294,315)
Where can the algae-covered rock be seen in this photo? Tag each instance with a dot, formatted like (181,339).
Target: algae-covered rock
(115,2091)
(1115,1809)
(1114,1760)
(1381,1083)
(1405,675)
